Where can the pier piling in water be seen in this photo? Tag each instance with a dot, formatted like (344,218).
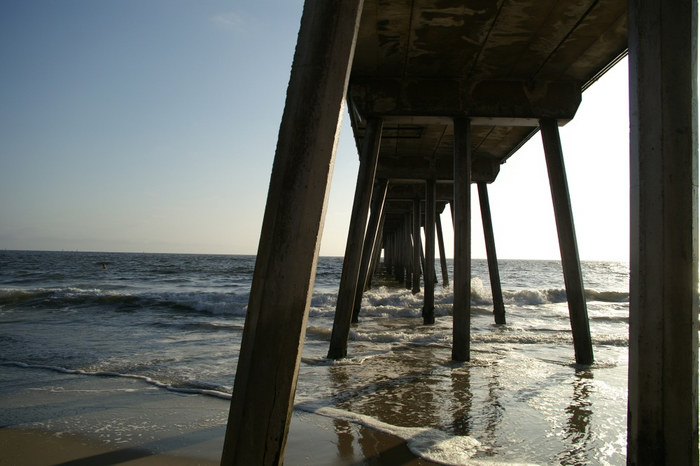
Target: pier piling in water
(356,235)
(663,363)
(429,272)
(573,280)
(441,248)
(416,257)
(369,244)
(409,250)
(462,248)
(499,310)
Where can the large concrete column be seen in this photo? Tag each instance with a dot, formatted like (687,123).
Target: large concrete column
(429,272)
(462,250)
(356,234)
(573,280)
(408,250)
(416,247)
(663,346)
(275,326)
(499,310)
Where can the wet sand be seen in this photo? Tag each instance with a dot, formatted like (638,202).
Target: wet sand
(49,418)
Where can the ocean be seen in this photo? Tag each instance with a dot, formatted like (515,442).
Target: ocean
(174,321)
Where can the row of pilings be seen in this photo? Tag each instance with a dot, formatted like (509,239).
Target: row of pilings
(400,245)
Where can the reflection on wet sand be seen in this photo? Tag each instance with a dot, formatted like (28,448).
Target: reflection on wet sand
(462,422)
(397,393)
(516,411)
(578,426)
(345,438)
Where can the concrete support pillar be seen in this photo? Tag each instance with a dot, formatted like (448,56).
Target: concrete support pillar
(371,239)
(356,235)
(499,310)
(573,281)
(387,244)
(408,250)
(275,326)
(377,251)
(441,248)
(416,247)
(663,322)
(462,248)
(429,272)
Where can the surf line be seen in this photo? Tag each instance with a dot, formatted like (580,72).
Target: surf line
(148,380)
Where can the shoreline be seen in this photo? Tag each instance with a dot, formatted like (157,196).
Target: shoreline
(51,418)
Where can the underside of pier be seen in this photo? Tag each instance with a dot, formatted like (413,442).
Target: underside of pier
(441,93)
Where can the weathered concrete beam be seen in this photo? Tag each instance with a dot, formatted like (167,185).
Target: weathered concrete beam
(285,267)
(493,99)
(663,344)
(409,191)
(408,168)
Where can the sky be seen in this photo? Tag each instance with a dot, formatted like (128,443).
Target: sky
(151,125)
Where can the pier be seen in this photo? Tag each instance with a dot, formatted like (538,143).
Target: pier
(440,94)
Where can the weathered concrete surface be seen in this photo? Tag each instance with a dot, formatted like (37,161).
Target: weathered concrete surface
(505,65)
(501,101)
(663,370)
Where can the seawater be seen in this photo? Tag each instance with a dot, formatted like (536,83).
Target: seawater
(175,321)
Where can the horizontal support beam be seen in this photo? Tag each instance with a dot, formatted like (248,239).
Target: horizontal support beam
(475,121)
(407,168)
(410,191)
(484,102)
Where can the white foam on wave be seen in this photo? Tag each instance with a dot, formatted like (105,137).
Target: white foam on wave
(386,301)
(156,383)
(351,360)
(428,443)
(318,332)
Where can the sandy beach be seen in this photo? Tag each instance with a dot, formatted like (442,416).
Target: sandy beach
(49,418)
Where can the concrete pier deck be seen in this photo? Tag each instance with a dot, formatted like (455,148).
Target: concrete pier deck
(504,65)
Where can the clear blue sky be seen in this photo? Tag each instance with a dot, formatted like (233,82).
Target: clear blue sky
(150,125)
